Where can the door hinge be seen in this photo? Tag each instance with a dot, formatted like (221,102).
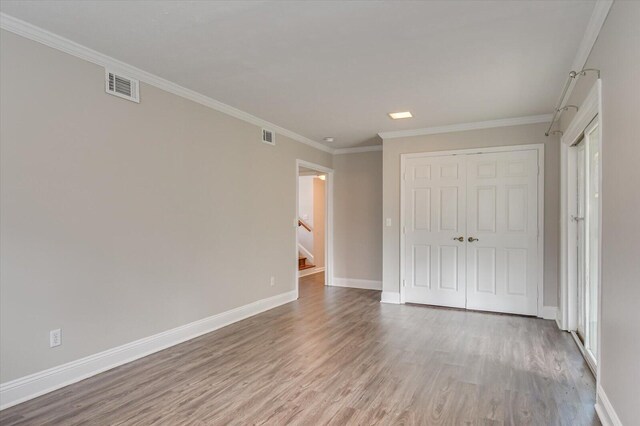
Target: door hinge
(404,229)
(404,283)
(404,176)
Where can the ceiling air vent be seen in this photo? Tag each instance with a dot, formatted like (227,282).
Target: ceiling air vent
(121,86)
(268,137)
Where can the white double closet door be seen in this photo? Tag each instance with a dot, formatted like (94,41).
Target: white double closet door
(470,231)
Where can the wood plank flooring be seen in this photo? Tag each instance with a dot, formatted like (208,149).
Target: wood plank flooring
(338,356)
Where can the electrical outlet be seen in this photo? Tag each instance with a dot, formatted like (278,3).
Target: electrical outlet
(55,338)
(272,281)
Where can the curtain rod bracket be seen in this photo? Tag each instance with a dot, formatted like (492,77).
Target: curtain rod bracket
(573,75)
(586,70)
(566,107)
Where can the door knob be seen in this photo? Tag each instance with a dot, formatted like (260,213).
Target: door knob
(461,239)
(471,239)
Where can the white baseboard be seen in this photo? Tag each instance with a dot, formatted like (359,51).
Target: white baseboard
(310,271)
(357,283)
(390,297)
(34,385)
(604,409)
(559,324)
(548,313)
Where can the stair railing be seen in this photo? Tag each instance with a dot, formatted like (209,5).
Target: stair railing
(304,225)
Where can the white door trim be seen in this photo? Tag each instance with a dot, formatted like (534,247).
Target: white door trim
(511,148)
(328,237)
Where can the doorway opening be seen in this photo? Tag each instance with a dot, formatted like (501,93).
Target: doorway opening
(581,224)
(584,217)
(313,221)
(588,208)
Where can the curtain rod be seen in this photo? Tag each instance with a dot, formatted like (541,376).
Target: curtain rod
(559,110)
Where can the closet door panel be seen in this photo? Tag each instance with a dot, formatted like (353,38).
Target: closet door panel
(434,214)
(502,221)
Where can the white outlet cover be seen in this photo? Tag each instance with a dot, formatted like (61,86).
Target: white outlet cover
(55,338)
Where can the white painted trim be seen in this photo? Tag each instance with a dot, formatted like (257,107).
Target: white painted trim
(34,385)
(55,41)
(506,148)
(541,172)
(568,232)
(310,271)
(598,16)
(390,297)
(548,312)
(313,166)
(587,111)
(328,246)
(510,148)
(357,283)
(461,127)
(588,359)
(358,149)
(306,252)
(605,410)
(558,323)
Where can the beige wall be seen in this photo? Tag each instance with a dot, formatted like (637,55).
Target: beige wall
(358,216)
(514,135)
(121,220)
(318,222)
(617,54)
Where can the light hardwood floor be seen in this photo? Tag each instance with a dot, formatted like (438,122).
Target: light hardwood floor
(339,356)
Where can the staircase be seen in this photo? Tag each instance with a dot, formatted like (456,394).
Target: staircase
(302,263)
(302,259)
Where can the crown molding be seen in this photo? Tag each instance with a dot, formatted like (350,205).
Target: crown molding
(598,16)
(357,150)
(37,34)
(461,127)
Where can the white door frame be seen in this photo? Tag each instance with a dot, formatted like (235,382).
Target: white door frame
(328,236)
(567,314)
(510,148)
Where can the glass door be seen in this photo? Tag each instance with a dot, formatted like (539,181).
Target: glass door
(581,242)
(588,239)
(592,231)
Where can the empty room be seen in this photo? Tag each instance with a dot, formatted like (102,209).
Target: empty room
(320,212)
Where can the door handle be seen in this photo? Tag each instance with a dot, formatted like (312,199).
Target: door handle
(461,239)
(471,239)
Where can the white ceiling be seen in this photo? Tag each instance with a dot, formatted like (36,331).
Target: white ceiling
(337,68)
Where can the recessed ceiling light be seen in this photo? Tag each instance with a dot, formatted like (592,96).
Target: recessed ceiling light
(329,139)
(398,115)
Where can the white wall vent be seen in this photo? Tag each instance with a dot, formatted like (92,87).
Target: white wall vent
(121,86)
(268,137)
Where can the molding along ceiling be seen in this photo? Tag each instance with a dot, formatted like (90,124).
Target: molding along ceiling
(320,69)
(505,122)
(358,150)
(599,15)
(55,41)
